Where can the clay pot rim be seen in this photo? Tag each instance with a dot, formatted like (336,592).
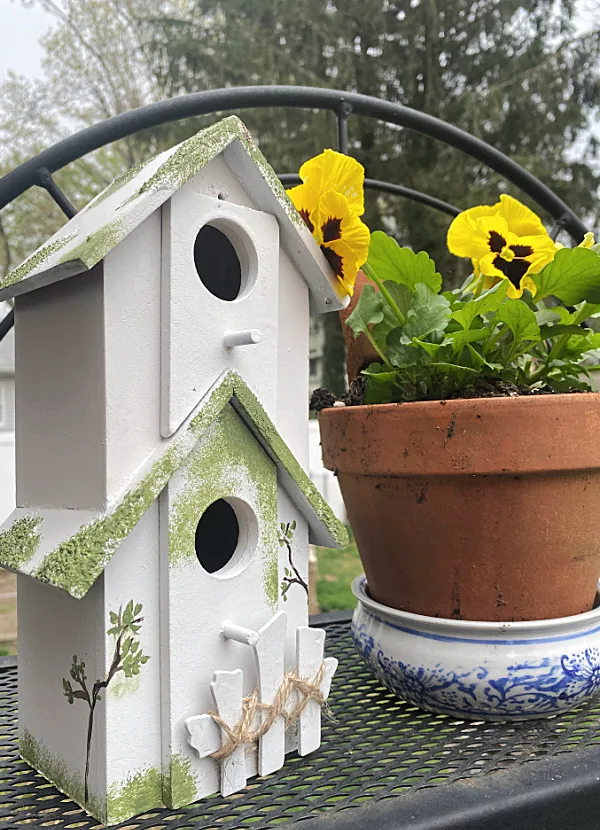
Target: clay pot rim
(548,629)
(506,401)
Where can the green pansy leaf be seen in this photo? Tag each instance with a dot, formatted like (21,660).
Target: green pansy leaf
(572,276)
(430,348)
(548,332)
(459,339)
(400,354)
(429,313)
(379,387)
(520,319)
(486,302)
(401,265)
(403,298)
(369,309)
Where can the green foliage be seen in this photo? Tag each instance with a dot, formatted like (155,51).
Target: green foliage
(516,74)
(573,276)
(435,345)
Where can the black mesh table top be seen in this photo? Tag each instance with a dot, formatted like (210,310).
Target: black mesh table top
(383,763)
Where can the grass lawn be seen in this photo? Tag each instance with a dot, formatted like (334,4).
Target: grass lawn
(337,569)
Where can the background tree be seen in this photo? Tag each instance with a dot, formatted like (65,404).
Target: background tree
(93,68)
(513,73)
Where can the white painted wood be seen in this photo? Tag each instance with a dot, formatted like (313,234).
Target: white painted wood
(53,627)
(133,704)
(193,351)
(310,645)
(226,690)
(269,653)
(205,734)
(292,359)
(196,603)
(250,337)
(240,634)
(132,352)
(60,403)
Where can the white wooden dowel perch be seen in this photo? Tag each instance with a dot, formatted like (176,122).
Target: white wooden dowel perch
(249,337)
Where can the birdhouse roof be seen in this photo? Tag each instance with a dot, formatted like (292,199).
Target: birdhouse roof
(70,548)
(97,229)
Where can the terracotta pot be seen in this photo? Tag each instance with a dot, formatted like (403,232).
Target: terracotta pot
(359,352)
(484,509)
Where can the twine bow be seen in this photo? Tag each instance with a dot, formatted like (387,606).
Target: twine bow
(243,733)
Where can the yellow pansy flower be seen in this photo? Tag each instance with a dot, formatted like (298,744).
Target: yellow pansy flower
(588,241)
(331,201)
(505,241)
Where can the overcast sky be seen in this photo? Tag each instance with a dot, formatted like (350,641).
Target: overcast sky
(21,28)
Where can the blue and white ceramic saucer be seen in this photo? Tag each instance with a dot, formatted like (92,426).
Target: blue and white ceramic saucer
(480,670)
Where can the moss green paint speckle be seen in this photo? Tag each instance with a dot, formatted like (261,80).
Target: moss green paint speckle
(56,770)
(35,261)
(116,185)
(76,564)
(78,561)
(180,786)
(19,543)
(95,246)
(260,423)
(227,460)
(142,791)
(192,155)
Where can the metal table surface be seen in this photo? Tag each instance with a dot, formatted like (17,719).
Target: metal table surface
(383,763)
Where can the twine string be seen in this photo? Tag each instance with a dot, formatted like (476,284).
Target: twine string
(243,732)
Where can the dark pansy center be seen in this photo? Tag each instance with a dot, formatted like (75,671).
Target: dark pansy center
(521,250)
(304,214)
(331,229)
(334,260)
(496,242)
(514,270)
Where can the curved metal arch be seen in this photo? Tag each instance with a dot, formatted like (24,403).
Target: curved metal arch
(342,103)
(290,179)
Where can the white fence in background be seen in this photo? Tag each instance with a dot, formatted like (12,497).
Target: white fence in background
(324,480)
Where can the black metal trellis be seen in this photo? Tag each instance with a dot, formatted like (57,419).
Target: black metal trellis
(38,170)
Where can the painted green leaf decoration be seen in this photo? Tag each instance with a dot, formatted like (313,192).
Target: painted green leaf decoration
(572,276)
(401,265)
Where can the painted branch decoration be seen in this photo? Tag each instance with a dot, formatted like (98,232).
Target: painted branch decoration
(127,658)
(292,575)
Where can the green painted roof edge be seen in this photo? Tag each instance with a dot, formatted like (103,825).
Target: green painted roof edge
(266,431)
(188,159)
(75,564)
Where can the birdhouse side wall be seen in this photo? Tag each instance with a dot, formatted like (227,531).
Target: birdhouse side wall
(59,394)
(61,655)
(292,359)
(132,352)
(132,667)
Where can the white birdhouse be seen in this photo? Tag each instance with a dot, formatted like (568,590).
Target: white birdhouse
(163,512)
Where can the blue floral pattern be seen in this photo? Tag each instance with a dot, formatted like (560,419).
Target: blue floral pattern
(529,689)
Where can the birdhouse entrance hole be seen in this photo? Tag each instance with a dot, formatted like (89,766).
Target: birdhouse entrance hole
(222,261)
(226,537)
